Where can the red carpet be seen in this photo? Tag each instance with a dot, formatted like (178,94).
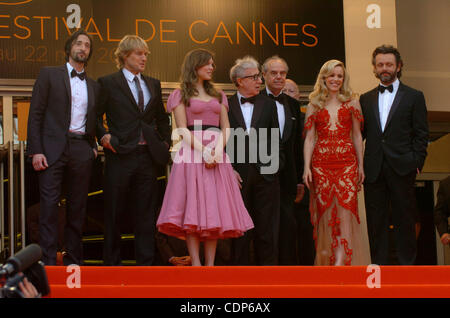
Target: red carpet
(250,282)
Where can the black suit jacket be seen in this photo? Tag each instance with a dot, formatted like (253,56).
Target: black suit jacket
(265,117)
(442,208)
(292,144)
(124,119)
(403,144)
(50,113)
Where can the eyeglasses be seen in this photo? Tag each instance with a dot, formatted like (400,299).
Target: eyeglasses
(254,77)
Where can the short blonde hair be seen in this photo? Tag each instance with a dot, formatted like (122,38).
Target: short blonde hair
(128,44)
(319,95)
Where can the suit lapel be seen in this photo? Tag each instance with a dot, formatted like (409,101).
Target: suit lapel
(375,107)
(65,75)
(287,116)
(288,122)
(236,111)
(123,84)
(91,98)
(67,82)
(257,111)
(395,104)
(152,91)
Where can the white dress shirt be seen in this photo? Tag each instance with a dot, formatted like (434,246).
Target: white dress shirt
(247,112)
(130,80)
(79,103)
(385,101)
(280,111)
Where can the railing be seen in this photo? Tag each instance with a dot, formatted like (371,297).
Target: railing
(13,179)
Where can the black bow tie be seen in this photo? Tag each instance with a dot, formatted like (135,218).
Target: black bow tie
(74,73)
(248,100)
(382,88)
(278,98)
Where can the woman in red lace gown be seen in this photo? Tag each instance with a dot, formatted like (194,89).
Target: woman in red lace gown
(333,171)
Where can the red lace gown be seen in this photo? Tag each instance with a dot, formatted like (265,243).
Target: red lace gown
(333,202)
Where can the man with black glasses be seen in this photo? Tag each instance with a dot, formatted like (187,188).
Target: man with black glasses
(254,150)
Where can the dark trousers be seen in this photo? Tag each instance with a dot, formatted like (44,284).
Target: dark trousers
(262,200)
(306,251)
(73,169)
(130,181)
(287,236)
(396,193)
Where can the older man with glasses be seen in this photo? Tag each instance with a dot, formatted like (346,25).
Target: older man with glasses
(254,150)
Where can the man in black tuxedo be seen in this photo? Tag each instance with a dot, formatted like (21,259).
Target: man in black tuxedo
(291,121)
(133,105)
(61,142)
(254,151)
(396,133)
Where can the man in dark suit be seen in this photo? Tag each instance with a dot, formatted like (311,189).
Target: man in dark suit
(305,242)
(396,133)
(254,151)
(61,141)
(133,106)
(291,121)
(442,210)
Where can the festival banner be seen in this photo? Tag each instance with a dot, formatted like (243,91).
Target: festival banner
(305,33)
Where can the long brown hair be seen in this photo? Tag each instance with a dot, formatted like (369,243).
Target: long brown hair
(192,62)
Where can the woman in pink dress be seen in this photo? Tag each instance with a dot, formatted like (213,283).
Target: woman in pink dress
(333,168)
(202,202)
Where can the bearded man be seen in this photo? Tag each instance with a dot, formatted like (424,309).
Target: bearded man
(396,133)
(61,143)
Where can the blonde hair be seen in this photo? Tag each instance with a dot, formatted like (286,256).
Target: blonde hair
(319,95)
(128,44)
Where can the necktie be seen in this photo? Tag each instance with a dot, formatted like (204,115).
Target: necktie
(140,103)
(140,94)
(278,98)
(248,100)
(382,88)
(82,75)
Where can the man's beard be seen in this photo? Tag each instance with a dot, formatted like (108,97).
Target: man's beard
(387,77)
(77,58)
